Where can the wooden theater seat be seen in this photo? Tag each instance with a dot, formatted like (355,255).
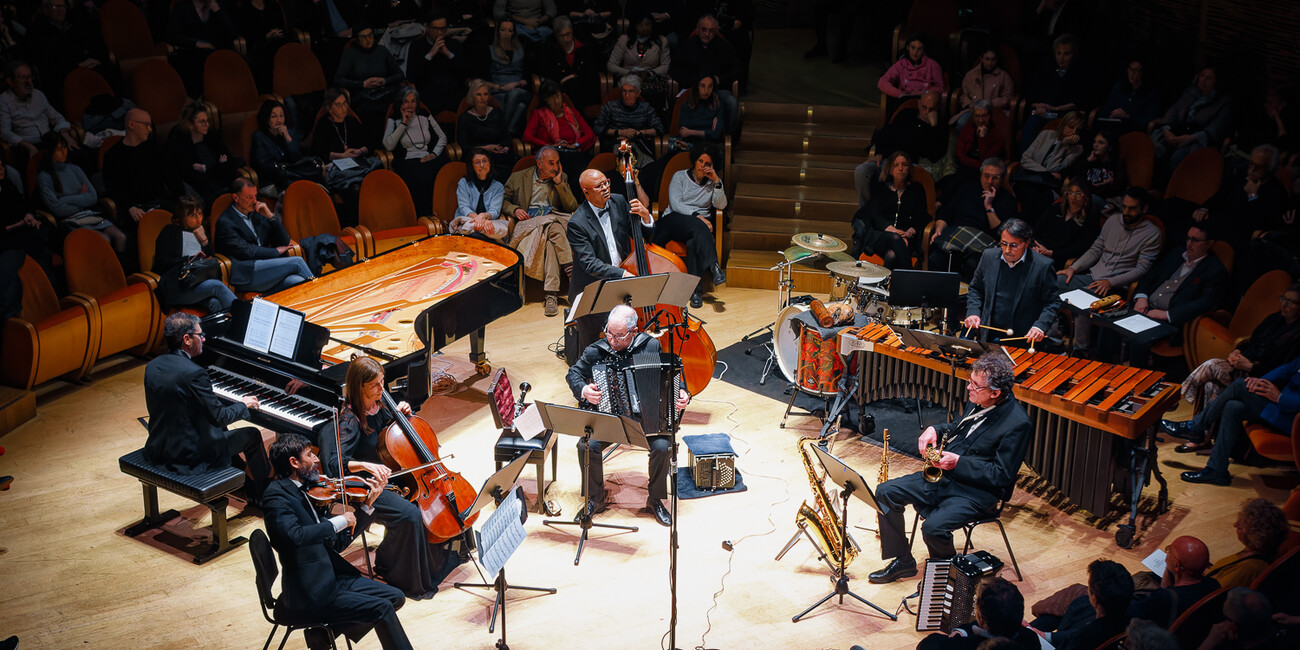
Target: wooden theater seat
(444,191)
(387,211)
(127,311)
(677,163)
(1215,335)
(308,210)
(1273,444)
(49,338)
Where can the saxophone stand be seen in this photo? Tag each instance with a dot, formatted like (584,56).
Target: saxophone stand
(501,536)
(853,485)
(594,425)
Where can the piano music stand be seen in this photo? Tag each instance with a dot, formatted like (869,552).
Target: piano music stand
(594,425)
(495,489)
(853,484)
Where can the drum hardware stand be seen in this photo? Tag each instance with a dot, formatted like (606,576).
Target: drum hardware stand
(784,286)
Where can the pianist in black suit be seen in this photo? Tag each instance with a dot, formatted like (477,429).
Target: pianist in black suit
(980,461)
(318,585)
(405,558)
(257,243)
(1014,288)
(187,421)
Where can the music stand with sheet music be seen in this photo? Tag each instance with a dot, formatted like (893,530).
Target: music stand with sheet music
(851,484)
(638,291)
(950,348)
(495,490)
(590,425)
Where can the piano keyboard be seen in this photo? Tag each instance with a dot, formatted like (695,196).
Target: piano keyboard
(936,597)
(273,401)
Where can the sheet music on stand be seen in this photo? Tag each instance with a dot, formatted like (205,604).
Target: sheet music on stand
(501,536)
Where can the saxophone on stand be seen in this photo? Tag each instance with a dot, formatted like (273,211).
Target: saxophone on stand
(821,523)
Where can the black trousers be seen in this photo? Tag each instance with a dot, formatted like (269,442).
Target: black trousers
(405,558)
(594,469)
(363,604)
(944,512)
(248,441)
(1235,404)
(701,251)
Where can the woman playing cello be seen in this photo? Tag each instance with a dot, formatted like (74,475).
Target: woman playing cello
(405,559)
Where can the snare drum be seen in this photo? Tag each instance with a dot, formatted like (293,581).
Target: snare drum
(909,317)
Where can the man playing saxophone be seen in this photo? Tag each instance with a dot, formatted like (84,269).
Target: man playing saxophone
(980,460)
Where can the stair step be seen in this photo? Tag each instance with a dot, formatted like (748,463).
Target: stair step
(808,176)
(796,192)
(773,234)
(826,161)
(755,112)
(790,208)
(750,269)
(794,128)
(784,143)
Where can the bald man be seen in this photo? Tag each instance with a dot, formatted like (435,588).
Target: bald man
(1182,584)
(134,172)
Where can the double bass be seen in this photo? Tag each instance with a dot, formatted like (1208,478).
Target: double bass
(687,338)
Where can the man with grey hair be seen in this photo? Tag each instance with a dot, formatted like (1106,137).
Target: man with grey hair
(1249,625)
(622,340)
(966,223)
(1014,289)
(538,202)
(980,457)
(629,118)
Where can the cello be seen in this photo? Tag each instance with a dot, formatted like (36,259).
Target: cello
(687,339)
(405,446)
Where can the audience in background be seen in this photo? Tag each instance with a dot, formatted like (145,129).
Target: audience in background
(913,75)
(1132,103)
(573,64)
(890,225)
(629,118)
(1063,87)
(1261,529)
(1068,227)
(506,75)
(986,81)
(370,74)
(197,153)
(705,54)
(1043,165)
(483,126)
(419,146)
(642,53)
(67,193)
(438,66)
(558,124)
(479,197)
(532,18)
(182,243)
(1102,169)
(277,156)
(1199,119)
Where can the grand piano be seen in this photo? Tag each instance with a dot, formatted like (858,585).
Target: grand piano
(401,307)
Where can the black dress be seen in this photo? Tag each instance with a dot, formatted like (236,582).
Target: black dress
(472,131)
(405,558)
(888,208)
(1066,238)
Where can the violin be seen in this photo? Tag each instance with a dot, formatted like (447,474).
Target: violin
(354,489)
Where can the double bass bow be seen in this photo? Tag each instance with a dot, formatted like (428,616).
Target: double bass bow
(687,338)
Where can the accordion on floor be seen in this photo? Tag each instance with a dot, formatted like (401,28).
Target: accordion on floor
(643,387)
(948,590)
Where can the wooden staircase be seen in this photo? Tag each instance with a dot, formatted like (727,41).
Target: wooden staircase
(794,173)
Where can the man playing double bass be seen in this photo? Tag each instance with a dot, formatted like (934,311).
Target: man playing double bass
(405,559)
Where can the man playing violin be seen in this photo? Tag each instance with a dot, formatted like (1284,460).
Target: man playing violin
(405,558)
(318,584)
(622,340)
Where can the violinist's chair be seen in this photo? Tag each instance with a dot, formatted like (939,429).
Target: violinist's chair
(264,564)
(510,444)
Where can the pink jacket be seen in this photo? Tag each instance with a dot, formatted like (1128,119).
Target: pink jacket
(997,87)
(904,79)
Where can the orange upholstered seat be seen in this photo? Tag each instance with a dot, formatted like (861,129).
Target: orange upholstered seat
(296,71)
(128,312)
(127,35)
(1215,335)
(1197,178)
(309,211)
(1273,444)
(444,191)
(675,164)
(387,211)
(158,89)
(48,338)
(1139,158)
(79,87)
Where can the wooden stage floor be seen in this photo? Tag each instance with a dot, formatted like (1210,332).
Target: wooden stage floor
(72,579)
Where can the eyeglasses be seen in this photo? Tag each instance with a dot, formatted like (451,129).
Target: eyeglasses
(603,185)
(1287,301)
(1196,240)
(620,337)
(1074,194)
(1012,244)
(974,386)
(199,335)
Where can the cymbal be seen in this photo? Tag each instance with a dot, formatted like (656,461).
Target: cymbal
(866,270)
(815,241)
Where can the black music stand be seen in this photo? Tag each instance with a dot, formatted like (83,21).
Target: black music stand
(852,484)
(949,348)
(494,490)
(925,289)
(594,425)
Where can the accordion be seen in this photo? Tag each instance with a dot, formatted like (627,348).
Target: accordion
(948,590)
(643,387)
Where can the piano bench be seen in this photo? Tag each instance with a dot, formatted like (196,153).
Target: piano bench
(509,446)
(209,489)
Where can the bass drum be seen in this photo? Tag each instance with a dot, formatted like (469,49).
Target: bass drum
(786,341)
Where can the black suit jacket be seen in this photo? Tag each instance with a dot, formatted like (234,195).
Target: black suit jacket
(1200,293)
(307,547)
(600,352)
(235,240)
(990,455)
(587,239)
(187,422)
(1036,301)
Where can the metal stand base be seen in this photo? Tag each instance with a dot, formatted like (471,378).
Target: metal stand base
(842,590)
(584,519)
(501,587)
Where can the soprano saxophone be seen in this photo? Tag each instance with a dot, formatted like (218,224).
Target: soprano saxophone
(883,474)
(823,522)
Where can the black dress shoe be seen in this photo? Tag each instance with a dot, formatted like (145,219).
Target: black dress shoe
(1207,475)
(318,638)
(719,276)
(593,508)
(898,567)
(1179,430)
(697,300)
(661,513)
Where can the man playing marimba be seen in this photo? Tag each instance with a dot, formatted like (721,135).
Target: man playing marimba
(1014,289)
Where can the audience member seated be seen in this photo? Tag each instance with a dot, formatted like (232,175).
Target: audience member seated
(419,144)
(339,136)
(62,37)
(1259,215)
(981,137)
(134,173)
(1089,621)
(196,28)
(539,201)
(559,125)
(706,54)
(986,81)
(1068,227)
(483,126)
(1142,634)
(23,231)
(999,614)
(1261,528)
(642,53)
(693,195)
(965,224)
(1102,169)
(1273,342)
(67,193)
(1251,623)
(912,75)
(1275,122)
(1013,289)
(184,240)
(438,66)
(26,116)
(257,244)
(702,118)
(1063,88)
(371,75)
(572,64)
(1044,163)
(593,22)
(918,132)
(261,23)
(890,225)
(1189,282)
(1273,400)
(1200,118)
(198,155)
(629,118)
(1182,585)
(506,75)
(479,198)
(1132,103)
(1124,251)
(278,157)
(532,18)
